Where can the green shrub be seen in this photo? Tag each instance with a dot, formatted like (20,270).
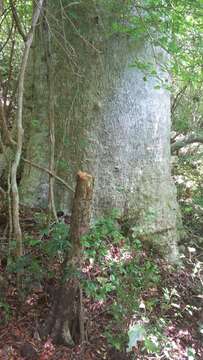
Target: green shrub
(122,276)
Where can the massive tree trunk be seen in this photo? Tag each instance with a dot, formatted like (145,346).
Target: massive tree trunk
(110,121)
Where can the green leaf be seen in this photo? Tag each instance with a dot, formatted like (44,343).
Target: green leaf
(191,353)
(151,346)
(34,242)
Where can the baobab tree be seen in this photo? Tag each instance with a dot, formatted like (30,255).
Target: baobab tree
(89,108)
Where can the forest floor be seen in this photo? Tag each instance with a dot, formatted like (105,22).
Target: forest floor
(23,313)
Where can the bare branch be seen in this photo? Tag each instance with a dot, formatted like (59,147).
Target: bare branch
(177,98)
(8,38)
(10,72)
(50,173)
(190,139)
(17,21)
(3,14)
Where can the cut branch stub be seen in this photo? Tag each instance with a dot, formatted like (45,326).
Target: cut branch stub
(65,323)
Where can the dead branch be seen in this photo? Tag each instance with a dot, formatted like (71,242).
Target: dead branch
(66,323)
(48,172)
(190,139)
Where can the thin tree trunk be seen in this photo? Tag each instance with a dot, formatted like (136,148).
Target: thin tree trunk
(14,187)
(66,323)
(9,213)
(51,118)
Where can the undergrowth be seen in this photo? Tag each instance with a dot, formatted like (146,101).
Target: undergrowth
(143,299)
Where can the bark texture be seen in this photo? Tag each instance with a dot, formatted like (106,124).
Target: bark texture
(111,122)
(66,323)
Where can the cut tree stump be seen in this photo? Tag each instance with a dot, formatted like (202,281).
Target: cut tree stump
(65,323)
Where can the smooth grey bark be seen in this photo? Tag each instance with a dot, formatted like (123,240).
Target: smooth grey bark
(34,188)
(110,122)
